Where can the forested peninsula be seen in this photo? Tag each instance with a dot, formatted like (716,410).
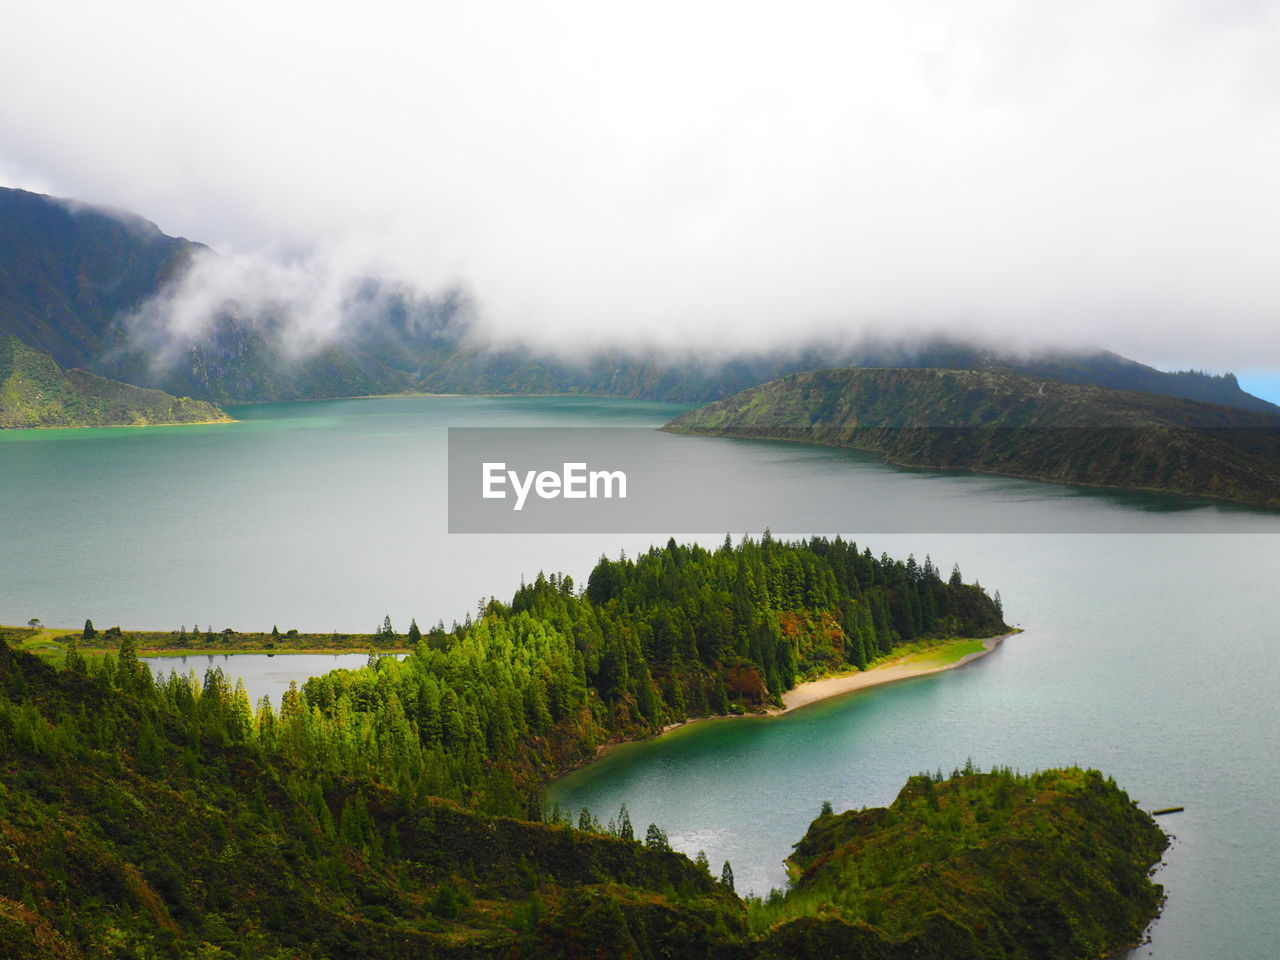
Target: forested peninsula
(529,688)
(394,811)
(1014,425)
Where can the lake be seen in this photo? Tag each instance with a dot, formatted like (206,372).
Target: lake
(1150,655)
(264,674)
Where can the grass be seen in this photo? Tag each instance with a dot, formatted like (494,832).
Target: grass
(47,644)
(944,655)
(38,641)
(922,655)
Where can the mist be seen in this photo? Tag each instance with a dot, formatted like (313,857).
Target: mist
(691,175)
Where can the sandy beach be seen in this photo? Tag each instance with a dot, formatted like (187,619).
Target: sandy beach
(804,694)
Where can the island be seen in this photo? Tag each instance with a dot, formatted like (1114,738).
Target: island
(36,392)
(1010,424)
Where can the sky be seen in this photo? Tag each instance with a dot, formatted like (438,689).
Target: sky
(1034,173)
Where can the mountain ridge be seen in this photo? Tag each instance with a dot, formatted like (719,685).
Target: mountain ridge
(1012,425)
(74,279)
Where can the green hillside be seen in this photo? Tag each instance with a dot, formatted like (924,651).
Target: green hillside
(67,270)
(151,821)
(1040,867)
(73,274)
(394,811)
(35,392)
(1014,425)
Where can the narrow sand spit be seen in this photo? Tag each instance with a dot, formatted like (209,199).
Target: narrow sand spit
(815,690)
(806,693)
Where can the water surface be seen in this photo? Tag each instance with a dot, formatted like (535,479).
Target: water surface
(264,674)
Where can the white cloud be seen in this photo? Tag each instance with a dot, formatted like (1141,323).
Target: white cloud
(1097,172)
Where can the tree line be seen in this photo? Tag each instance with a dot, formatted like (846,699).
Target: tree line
(487,711)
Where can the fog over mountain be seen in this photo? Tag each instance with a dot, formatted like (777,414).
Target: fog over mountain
(1099,173)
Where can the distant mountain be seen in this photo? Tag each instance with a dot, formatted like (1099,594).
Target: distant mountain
(1102,368)
(70,275)
(67,271)
(693,379)
(1013,425)
(35,392)
(73,277)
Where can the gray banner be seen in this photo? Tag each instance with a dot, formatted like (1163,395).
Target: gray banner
(639,480)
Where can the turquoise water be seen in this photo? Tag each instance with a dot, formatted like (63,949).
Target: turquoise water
(323,516)
(1149,655)
(1151,658)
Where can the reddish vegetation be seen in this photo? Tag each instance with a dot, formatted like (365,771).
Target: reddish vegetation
(744,681)
(818,636)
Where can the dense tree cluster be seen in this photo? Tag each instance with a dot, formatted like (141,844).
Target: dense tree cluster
(339,780)
(156,820)
(171,817)
(488,710)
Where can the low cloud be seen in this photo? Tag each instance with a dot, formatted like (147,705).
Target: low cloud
(699,174)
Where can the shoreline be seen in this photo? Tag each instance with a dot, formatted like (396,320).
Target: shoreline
(816,691)
(170,652)
(142,640)
(117,426)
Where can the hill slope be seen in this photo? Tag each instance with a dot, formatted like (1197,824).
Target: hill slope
(137,825)
(1008,424)
(1040,867)
(71,274)
(35,392)
(68,270)
(163,818)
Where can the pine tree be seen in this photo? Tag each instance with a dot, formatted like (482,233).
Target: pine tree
(956,580)
(127,660)
(414,633)
(701,860)
(89,632)
(624,824)
(726,877)
(73,660)
(656,839)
